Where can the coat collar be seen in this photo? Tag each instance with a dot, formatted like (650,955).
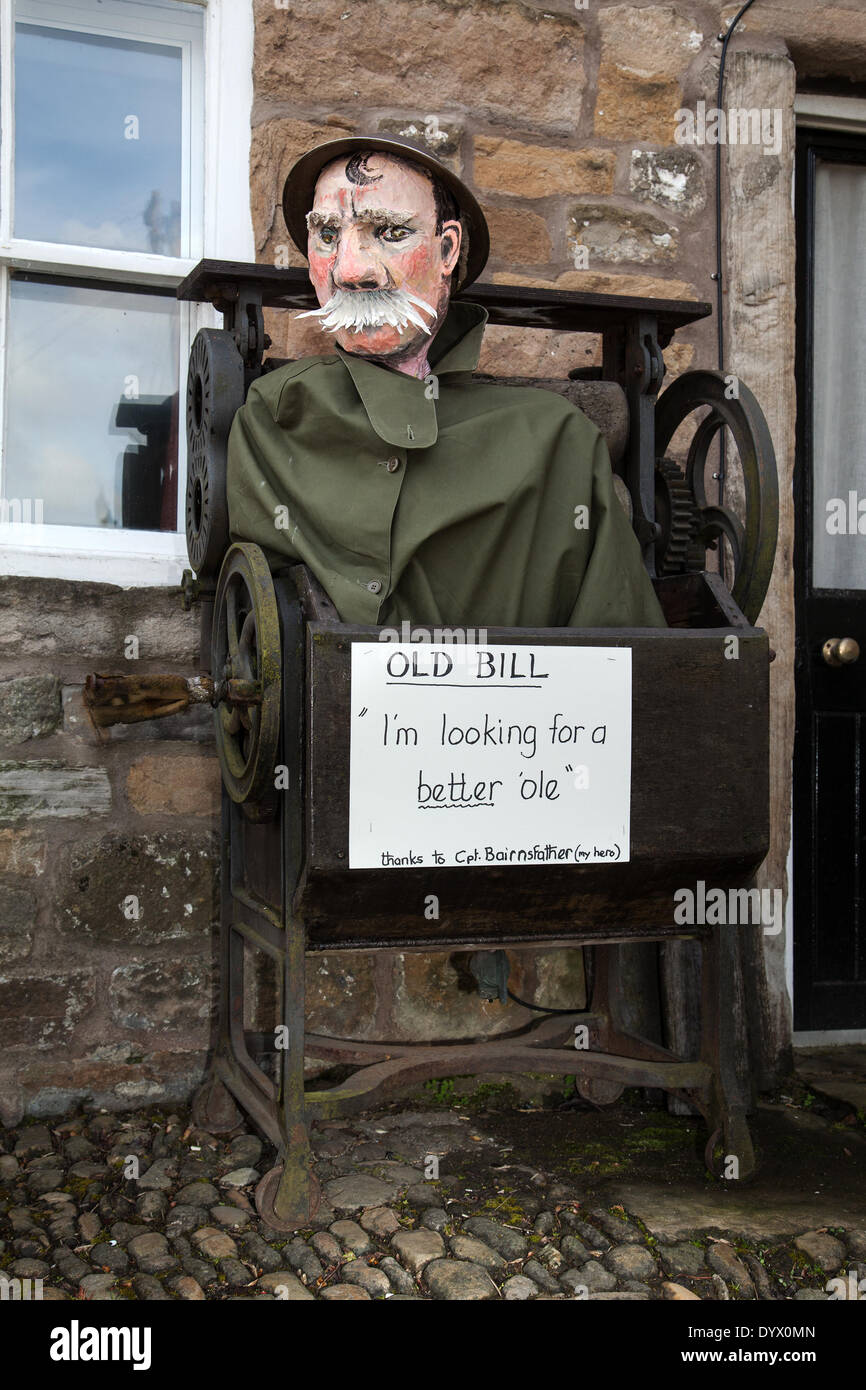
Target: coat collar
(402,409)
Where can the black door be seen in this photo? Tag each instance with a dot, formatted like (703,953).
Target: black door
(830,577)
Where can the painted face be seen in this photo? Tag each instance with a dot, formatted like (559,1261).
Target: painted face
(377,262)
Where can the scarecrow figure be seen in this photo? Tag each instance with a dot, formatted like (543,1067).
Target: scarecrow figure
(412,491)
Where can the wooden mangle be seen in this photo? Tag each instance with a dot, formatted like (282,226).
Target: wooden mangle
(277,667)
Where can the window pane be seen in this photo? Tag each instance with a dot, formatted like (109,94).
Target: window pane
(98,140)
(92,405)
(839,357)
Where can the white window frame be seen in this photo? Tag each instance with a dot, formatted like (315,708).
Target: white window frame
(218,224)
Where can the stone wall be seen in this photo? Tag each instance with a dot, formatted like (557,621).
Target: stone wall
(562,116)
(107,889)
(109,893)
(562,121)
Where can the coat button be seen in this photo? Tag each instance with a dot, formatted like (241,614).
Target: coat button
(374,586)
(393,464)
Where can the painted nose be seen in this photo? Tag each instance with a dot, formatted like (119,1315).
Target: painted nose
(356,266)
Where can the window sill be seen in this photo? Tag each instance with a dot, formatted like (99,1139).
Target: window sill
(132,569)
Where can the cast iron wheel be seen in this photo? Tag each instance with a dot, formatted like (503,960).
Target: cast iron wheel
(753,545)
(245,661)
(214,393)
(266,1191)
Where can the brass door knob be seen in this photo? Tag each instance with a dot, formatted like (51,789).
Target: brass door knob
(840,651)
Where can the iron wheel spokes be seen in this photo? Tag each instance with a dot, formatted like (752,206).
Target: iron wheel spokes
(246,652)
(753,544)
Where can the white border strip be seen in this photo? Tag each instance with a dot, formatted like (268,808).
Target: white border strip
(846,114)
(831,113)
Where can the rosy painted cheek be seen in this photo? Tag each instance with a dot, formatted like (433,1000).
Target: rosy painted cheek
(320,270)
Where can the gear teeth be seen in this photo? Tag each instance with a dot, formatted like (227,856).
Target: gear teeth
(678,549)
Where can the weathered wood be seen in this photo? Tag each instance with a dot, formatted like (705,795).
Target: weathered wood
(759,313)
(697,600)
(680,991)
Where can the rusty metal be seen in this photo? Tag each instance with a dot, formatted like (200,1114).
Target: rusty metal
(263,871)
(245,663)
(753,544)
(215,392)
(289,1194)
(130,699)
(261,685)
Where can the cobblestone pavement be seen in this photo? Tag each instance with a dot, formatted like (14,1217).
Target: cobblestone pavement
(145,1206)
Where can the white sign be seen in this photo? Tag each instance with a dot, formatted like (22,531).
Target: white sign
(465,754)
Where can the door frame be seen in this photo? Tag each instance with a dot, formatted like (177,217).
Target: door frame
(836,125)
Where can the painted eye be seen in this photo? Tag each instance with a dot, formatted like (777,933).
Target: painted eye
(395,233)
(328,235)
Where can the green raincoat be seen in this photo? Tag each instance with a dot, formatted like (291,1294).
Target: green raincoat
(447,503)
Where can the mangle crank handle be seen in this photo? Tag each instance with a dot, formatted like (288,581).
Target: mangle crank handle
(131,699)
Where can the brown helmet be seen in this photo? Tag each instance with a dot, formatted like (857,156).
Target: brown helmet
(300,186)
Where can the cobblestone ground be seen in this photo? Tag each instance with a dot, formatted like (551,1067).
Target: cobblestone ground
(145,1206)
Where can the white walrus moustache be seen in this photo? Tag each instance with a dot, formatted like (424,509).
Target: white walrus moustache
(354,311)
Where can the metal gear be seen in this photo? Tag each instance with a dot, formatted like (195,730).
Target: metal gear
(677,548)
(215,392)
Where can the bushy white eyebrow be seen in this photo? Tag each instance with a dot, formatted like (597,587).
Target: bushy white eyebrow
(382,217)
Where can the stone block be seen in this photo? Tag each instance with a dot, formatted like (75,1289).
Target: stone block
(112,1077)
(672,178)
(435,998)
(644,54)
(447,55)
(17,913)
(540,171)
(293,337)
(42,1010)
(561,979)
(341,994)
(275,146)
(835,47)
(508,351)
(164,784)
(45,789)
(140,889)
(48,617)
(160,994)
(631,107)
(29,708)
(678,358)
(518,235)
(606,234)
(21,853)
(641,285)
(613,234)
(442,139)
